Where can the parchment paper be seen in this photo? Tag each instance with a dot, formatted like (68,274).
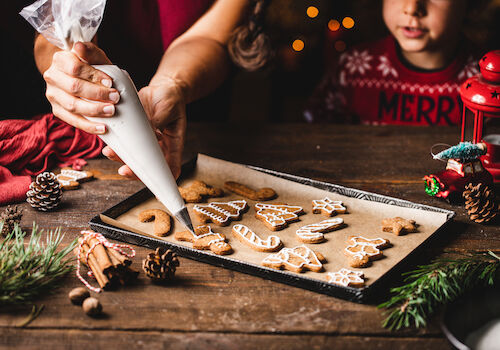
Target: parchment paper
(363,218)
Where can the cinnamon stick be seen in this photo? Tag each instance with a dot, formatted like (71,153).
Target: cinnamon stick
(93,264)
(101,255)
(113,254)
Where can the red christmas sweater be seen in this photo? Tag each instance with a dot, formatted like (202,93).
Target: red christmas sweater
(370,84)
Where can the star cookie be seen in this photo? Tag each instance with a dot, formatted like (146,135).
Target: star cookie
(398,225)
(327,207)
(346,278)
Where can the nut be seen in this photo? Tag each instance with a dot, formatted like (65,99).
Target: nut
(78,295)
(92,306)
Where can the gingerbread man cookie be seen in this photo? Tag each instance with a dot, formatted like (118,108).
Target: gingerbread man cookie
(327,207)
(263,194)
(161,219)
(198,191)
(220,213)
(70,179)
(206,239)
(248,237)
(313,233)
(398,225)
(363,250)
(295,259)
(277,216)
(346,278)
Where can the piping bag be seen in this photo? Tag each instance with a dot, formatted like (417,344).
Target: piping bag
(129,133)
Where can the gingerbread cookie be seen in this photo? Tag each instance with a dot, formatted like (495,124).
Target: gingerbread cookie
(363,250)
(327,207)
(346,278)
(295,259)
(220,213)
(162,221)
(398,225)
(263,194)
(206,239)
(70,179)
(313,233)
(198,191)
(248,237)
(277,216)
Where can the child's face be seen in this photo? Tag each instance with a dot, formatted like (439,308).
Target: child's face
(424,25)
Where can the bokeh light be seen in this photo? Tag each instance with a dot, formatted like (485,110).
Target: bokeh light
(348,22)
(312,11)
(333,25)
(340,46)
(298,45)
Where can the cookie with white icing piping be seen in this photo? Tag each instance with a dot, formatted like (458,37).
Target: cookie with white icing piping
(346,278)
(328,207)
(251,239)
(206,239)
(220,213)
(70,179)
(314,233)
(277,216)
(363,250)
(296,259)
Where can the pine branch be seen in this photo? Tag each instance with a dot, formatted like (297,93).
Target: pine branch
(26,271)
(438,283)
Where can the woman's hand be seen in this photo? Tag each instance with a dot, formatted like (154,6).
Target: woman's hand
(165,106)
(71,80)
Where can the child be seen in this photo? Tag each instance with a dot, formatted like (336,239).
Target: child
(411,77)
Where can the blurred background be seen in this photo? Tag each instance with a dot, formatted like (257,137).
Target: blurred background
(307,36)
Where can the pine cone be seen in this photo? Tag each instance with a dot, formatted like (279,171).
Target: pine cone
(480,203)
(10,216)
(45,192)
(160,266)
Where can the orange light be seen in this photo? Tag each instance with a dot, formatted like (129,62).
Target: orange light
(298,45)
(333,25)
(348,22)
(340,45)
(312,11)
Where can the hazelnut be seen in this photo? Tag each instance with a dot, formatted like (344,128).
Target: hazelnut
(92,306)
(78,295)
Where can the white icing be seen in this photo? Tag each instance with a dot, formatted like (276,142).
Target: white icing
(75,174)
(284,255)
(279,215)
(272,242)
(364,243)
(314,231)
(328,205)
(222,215)
(345,277)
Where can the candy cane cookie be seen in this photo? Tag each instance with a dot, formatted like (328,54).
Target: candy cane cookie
(161,219)
(277,216)
(327,207)
(295,259)
(248,237)
(346,278)
(363,250)
(205,239)
(314,233)
(220,213)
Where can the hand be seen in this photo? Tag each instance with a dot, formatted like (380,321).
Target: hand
(165,107)
(71,79)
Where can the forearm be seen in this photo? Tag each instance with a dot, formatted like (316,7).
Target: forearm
(198,65)
(43,52)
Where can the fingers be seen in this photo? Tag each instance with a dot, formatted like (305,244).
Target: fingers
(76,105)
(78,121)
(124,170)
(90,53)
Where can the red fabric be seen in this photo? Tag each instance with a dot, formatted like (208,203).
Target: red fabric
(372,85)
(29,147)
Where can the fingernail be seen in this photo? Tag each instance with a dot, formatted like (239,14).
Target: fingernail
(100,129)
(109,109)
(121,171)
(106,82)
(114,97)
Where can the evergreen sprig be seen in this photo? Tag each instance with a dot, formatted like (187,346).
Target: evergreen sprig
(430,286)
(28,270)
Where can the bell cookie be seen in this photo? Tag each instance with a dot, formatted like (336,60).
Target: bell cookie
(206,239)
(70,179)
(248,237)
(327,207)
(363,250)
(346,278)
(277,216)
(220,213)
(198,191)
(313,233)
(162,221)
(262,194)
(296,259)
(398,225)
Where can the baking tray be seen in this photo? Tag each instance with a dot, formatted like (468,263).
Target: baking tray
(303,280)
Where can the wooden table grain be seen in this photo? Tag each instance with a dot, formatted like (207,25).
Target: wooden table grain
(211,307)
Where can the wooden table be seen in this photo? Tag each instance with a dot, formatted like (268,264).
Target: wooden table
(211,307)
